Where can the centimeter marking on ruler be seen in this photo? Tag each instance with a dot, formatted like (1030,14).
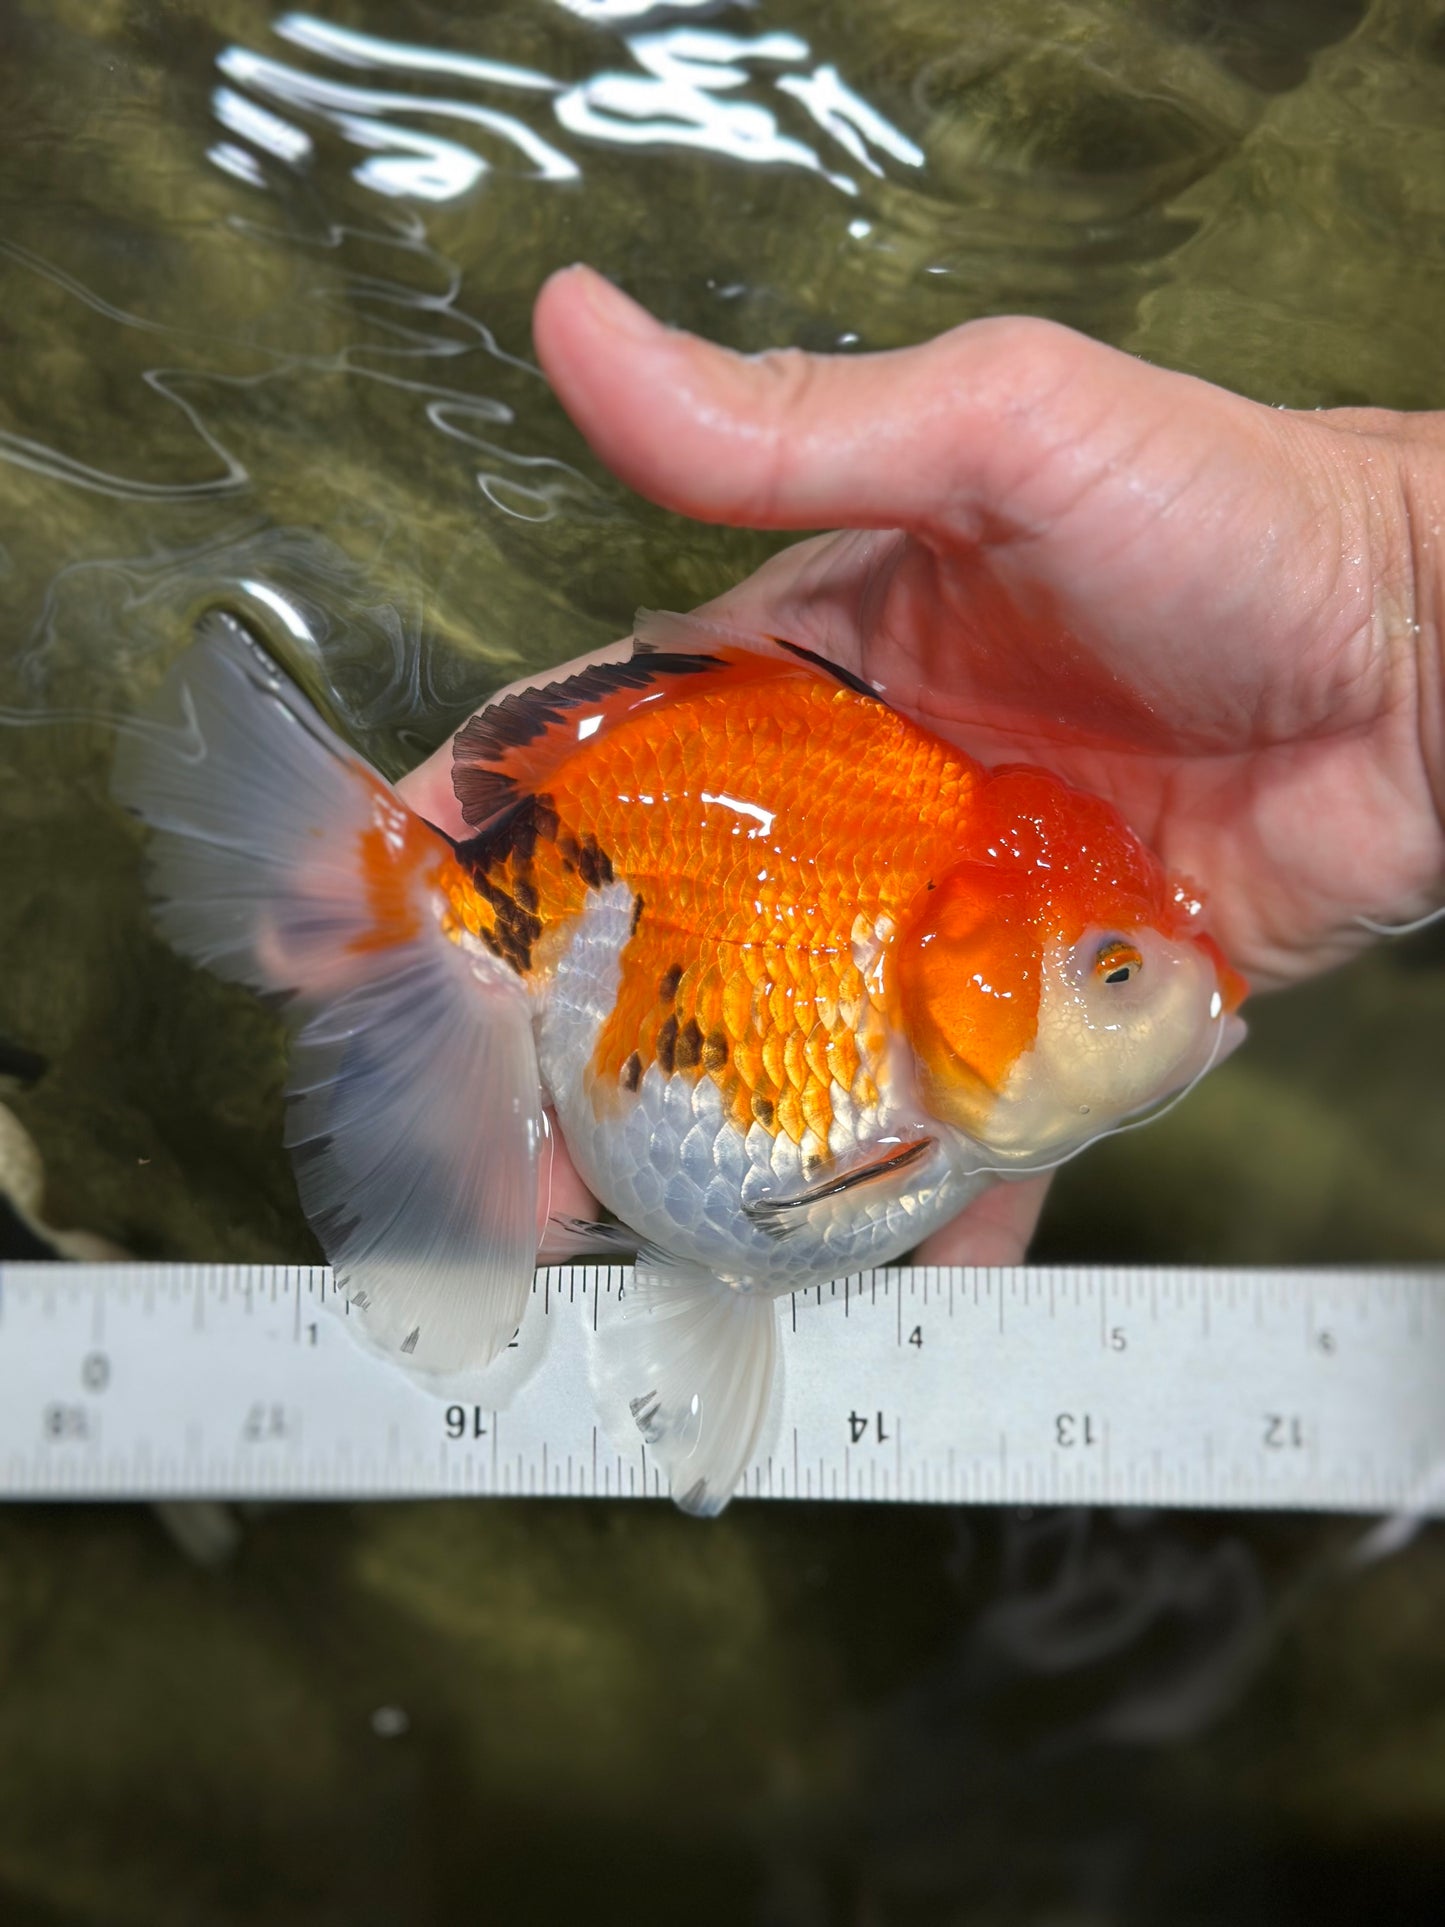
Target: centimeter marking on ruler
(1318,1390)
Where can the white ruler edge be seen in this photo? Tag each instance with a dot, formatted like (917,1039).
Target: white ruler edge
(1310,1390)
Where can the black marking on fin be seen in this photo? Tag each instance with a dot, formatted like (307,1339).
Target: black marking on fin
(777,1214)
(519,720)
(409,1343)
(833,669)
(645,1409)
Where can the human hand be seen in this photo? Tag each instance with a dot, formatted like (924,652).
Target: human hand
(1223,617)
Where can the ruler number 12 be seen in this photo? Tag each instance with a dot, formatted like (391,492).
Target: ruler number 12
(1283,1432)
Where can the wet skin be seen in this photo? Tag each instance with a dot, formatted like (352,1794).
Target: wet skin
(1225,618)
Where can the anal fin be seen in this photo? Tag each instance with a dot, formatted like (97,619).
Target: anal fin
(694,1359)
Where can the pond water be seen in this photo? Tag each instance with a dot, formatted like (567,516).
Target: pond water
(265,285)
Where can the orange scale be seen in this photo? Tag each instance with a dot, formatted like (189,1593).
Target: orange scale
(753,959)
(707,996)
(774,1057)
(737,1003)
(818,1109)
(790,1114)
(748,1060)
(843,1061)
(815,1053)
(795,1060)
(780,1006)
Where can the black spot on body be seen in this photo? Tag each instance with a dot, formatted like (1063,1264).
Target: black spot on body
(689,1045)
(763,1110)
(636,916)
(500,861)
(714,1050)
(668,982)
(667,1046)
(632,1073)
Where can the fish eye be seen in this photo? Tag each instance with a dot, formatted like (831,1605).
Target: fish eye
(1117,962)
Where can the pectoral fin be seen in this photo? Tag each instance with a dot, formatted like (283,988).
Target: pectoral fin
(884,1170)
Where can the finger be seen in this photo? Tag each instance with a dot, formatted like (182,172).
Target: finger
(560,1190)
(978,423)
(994,1230)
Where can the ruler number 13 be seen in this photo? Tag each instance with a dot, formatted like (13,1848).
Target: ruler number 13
(1075,1428)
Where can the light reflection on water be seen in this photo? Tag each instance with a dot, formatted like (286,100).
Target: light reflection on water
(686,94)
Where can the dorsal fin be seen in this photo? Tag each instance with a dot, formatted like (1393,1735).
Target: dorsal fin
(515,745)
(833,669)
(496,754)
(658,630)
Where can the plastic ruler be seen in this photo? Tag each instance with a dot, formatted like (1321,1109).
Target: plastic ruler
(1290,1389)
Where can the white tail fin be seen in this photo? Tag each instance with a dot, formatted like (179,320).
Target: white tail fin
(694,1360)
(283,860)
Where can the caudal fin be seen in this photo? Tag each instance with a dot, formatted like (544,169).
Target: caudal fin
(281,860)
(694,1360)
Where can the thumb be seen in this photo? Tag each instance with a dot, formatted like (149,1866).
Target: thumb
(988,431)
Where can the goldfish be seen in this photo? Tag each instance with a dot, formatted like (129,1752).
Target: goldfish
(795,978)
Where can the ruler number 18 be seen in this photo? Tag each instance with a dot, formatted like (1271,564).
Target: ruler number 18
(61,1422)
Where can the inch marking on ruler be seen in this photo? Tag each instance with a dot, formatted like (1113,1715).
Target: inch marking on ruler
(1320,1390)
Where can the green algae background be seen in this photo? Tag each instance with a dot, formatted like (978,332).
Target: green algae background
(225,362)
